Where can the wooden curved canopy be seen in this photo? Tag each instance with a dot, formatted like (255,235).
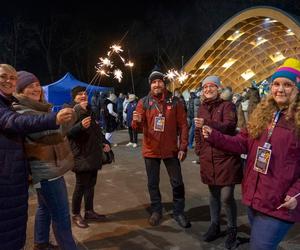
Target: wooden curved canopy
(249,46)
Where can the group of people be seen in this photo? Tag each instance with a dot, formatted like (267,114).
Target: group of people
(55,143)
(270,139)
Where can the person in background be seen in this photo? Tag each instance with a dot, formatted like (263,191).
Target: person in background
(120,100)
(50,157)
(133,135)
(125,103)
(111,117)
(14,165)
(220,170)
(163,120)
(87,142)
(191,116)
(271,183)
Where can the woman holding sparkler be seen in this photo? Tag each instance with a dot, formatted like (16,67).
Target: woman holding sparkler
(271,184)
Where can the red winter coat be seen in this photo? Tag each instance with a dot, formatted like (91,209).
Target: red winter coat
(175,136)
(265,193)
(218,167)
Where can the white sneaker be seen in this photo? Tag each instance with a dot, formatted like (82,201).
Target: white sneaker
(134,145)
(129,144)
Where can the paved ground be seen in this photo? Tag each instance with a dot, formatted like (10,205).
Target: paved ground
(121,193)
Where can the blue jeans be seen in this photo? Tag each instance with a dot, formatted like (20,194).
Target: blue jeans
(174,171)
(266,231)
(53,207)
(191,134)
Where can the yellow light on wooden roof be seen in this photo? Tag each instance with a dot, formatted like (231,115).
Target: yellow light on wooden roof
(260,40)
(289,32)
(205,65)
(228,64)
(278,56)
(235,35)
(248,74)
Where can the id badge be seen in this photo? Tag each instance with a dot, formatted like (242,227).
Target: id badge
(159,123)
(262,160)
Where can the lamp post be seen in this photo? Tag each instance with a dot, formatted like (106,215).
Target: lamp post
(131,64)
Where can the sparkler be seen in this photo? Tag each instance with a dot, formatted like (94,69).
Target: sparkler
(118,74)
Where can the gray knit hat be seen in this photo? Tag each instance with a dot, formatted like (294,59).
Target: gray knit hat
(212,79)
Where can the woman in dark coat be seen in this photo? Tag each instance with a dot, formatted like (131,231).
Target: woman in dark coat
(13,163)
(87,142)
(219,170)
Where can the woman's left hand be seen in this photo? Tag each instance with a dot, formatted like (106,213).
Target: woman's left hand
(106,148)
(290,203)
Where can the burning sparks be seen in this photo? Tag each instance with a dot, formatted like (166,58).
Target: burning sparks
(118,74)
(106,67)
(174,75)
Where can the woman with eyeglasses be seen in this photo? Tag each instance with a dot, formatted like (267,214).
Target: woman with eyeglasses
(271,183)
(220,170)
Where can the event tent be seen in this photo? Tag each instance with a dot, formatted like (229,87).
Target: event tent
(59,92)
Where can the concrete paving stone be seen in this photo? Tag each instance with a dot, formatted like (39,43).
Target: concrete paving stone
(121,193)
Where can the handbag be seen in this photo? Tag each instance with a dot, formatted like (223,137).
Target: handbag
(108,157)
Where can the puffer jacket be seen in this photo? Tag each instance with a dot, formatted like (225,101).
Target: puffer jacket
(162,144)
(13,172)
(48,152)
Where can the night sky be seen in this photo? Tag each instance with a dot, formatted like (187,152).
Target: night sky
(55,37)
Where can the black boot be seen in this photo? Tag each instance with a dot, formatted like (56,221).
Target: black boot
(212,233)
(231,242)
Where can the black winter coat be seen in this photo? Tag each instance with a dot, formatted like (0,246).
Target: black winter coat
(86,144)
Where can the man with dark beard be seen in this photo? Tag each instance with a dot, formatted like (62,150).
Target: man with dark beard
(163,120)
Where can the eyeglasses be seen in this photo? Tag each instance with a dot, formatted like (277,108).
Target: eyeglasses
(285,85)
(212,86)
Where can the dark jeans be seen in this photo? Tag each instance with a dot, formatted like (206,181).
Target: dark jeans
(266,231)
(53,207)
(222,195)
(174,171)
(85,184)
(132,135)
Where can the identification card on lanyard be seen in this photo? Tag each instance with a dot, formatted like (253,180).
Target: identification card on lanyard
(262,160)
(263,154)
(159,123)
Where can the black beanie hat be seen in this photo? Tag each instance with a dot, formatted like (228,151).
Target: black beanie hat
(76,90)
(156,74)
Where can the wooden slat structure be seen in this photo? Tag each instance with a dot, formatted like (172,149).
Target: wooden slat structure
(249,46)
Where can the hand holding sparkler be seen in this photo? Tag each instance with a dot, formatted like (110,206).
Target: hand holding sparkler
(64,116)
(136,116)
(290,202)
(86,122)
(199,122)
(206,131)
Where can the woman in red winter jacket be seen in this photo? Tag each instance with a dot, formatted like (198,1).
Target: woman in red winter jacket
(271,183)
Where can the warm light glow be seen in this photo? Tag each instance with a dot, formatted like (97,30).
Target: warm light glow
(289,32)
(278,56)
(228,64)
(235,35)
(182,77)
(118,74)
(205,65)
(248,74)
(129,64)
(260,40)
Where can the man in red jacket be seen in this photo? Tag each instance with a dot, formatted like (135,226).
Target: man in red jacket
(163,120)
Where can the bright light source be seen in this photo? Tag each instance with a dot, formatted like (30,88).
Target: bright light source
(205,65)
(228,64)
(289,32)
(235,35)
(260,40)
(248,74)
(278,56)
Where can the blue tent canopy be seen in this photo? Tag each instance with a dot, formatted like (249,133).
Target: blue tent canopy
(59,92)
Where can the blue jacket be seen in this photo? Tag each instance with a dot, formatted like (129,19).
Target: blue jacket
(129,111)
(14,173)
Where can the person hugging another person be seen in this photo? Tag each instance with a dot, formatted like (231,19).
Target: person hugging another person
(50,157)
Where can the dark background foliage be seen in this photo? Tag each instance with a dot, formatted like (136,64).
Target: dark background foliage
(51,38)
